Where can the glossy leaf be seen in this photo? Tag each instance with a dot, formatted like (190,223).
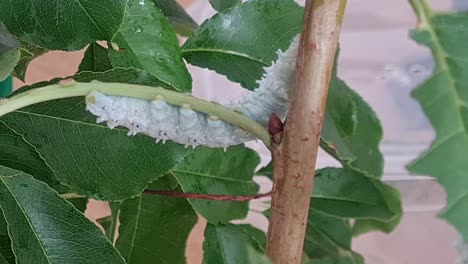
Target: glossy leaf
(109,223)
(41,228)
(154,229)
(220,5)
(9,53)
(329,237)
(146,41)
(95,59)
(6,253)
(8,60)
(80,204)
(91,158)
(444,99)
(213,171)
(351,131)
(345,193)
(18,154)
(230,244)
(62,25)
(120,75)
(28,53)
(106,223)
(266,171)
(256,257)
(241,41)
(349,194)
(7,40)
(181,22)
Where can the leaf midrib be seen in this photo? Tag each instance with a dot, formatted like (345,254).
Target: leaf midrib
(66,120)
(440,57)
(225,52)
(208,176)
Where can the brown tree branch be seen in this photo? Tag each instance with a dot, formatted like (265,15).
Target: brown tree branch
(202,196)
(295,155)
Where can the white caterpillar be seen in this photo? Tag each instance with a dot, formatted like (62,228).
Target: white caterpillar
(182,125)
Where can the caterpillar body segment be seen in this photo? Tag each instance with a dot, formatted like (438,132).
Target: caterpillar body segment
(183,125)
(163,121)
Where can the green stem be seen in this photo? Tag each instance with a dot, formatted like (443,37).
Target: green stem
(424,13)
(422,10)
(58,91)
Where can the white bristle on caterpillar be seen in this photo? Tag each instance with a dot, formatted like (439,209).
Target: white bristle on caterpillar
(183,125)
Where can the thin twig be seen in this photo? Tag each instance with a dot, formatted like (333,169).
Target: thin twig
(215,197)
(294,156)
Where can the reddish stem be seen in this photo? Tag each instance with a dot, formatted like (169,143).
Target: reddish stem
(201,196)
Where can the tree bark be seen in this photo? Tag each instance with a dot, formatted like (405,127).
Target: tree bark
(295,152)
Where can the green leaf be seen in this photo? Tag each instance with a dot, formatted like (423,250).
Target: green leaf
(120,75)
(91,158)
(266,171)
(146,41)
(8,60)
(18,154)
(213,171)
(241,41)
(63,25)
(105,223)
(329,237)
(9,53)
(95,59)
(7,41)
(221,5)
(230,244)
(28,53)
(45,228)
(349,194)
(6,253)
(345,193)
(256,257)
(444,99)
(181,22)
(154,229)
(109,223)
(351,131)
(79,203)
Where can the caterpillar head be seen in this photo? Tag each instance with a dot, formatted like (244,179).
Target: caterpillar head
(98,104)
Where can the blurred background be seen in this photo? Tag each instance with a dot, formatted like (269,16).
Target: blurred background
(383,65)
